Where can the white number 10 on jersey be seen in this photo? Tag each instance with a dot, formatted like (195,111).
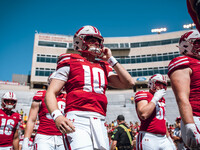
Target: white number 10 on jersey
(93,81)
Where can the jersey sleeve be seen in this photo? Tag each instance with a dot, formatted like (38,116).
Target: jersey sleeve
(178,63)
(63,60)
(19,121)
(141,95)
(39,96)
(107,68)
(116,134)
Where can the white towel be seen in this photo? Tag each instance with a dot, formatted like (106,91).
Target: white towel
(97,134)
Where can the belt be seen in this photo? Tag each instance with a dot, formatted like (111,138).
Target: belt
(124,147)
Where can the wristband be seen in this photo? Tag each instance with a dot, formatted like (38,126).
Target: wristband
(56,113)
(154,101)
(112,61)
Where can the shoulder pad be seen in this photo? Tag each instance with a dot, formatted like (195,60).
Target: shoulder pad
(39,96)
(141,95)
(178,63)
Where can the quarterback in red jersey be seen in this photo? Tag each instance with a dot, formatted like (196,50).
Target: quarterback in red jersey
(185,79)
(85,79)
(150,107)
(48,137)
(9,122)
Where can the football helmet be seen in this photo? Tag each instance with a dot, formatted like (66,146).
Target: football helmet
(82,35)
(8,96)
(155,80)
(189,43)
(51,76)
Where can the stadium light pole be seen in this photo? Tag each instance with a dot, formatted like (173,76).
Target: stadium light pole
(189,26)
(159,30)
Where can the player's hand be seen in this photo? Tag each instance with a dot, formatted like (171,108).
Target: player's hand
(25,144)
(192,136)
(106,53)
(64,125)
(158,95)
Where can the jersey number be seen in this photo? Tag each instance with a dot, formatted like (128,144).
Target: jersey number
(6,126)
(95,81)
(160,113)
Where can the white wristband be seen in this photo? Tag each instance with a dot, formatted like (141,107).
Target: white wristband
(112,61)
(55,114)
(154,101)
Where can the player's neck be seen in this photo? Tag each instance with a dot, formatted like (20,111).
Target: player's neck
(88,56)
(7,111)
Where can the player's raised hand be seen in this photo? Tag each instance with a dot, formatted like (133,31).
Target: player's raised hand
(106,53)
(64,125)
(158,95)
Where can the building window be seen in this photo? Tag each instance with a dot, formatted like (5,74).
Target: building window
(47,58)
(44,72)
(52,44)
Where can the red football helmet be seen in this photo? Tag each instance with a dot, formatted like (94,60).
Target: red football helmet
(189,43)
(156,80)
(84,33)
(8,100)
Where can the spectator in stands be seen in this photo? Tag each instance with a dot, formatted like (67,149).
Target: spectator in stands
(21,113)
(122,137)
(185,79)
(48,136)
(25,118)
(177,135)
(86,78)
(150,107)
(132,99)
(9,121)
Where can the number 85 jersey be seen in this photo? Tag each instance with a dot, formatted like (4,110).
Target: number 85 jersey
(156,122)
(86,83)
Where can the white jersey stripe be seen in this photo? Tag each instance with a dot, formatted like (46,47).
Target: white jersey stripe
(185,62)
(177,61)
(64,59)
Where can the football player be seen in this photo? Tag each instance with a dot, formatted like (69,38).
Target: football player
(9,122)
(185,79)
(48,137)
(150,107)
(85,79)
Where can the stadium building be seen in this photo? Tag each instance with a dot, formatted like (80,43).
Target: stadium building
(141,56)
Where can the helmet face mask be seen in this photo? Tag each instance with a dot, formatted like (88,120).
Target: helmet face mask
(83,35)
(8,100)
(189,43)
(157,82)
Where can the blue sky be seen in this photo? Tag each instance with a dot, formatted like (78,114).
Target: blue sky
(19,19)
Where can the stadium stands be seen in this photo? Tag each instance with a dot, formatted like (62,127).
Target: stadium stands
(119,102)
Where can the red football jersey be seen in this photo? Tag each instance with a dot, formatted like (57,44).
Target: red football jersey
(86,83)
(156,122)
(47,125)
(9,124)
(188,62)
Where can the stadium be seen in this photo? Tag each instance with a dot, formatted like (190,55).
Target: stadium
(141,56)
